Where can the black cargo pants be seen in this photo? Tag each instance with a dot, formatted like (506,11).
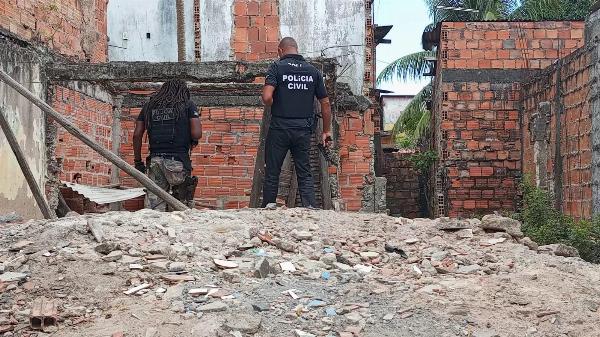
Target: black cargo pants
(278,143)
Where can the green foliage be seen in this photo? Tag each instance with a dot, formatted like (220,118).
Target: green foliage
(409,67)
(538,10)
(423,161)
(546,225)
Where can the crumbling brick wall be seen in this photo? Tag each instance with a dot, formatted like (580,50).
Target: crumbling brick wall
(480,68)
(556,133)
(225,156)
(92,116)
(402,184)
(73,28)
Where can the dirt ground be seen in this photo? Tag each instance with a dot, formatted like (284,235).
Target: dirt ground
(219,273)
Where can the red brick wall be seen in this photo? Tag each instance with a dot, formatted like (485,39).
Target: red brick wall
(575,130)
(479,122)
(402,185)
(356,156)
(95,119)
(224,159)
(74,28)
(255,30)
(508,45)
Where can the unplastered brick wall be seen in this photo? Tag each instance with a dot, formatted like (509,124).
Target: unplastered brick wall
(402,185)
(356,130)
(556,132)
(508,45)
(94,118)
(224,159)
(480,69)
(256,29)
(73,28)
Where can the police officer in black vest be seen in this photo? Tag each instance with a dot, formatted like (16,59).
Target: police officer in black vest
(290,89)
(173,124)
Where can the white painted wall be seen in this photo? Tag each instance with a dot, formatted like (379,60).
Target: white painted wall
(28,124)
(216,20)
(393,108)
(130,20)
(319,24)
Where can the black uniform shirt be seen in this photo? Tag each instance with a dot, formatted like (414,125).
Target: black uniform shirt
(296,83)
(170,136)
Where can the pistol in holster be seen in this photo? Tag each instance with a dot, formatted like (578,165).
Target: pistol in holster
(185,192)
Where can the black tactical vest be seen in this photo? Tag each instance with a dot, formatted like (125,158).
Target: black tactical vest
(296,85)
(169,130)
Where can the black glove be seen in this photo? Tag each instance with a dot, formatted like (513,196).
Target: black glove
(194,143)
(140,166)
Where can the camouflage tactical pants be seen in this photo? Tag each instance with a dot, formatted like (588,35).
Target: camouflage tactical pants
(167,174)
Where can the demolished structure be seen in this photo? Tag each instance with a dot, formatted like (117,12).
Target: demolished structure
(103,99)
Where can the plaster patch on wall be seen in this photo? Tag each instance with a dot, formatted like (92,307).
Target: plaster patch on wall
(216,22)
(321,24)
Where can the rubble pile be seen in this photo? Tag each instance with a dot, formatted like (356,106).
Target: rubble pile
(289,272)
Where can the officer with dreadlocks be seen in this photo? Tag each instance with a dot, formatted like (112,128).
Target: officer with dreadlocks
(290,89)
(173,124)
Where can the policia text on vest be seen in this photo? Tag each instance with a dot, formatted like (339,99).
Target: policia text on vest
(298,82)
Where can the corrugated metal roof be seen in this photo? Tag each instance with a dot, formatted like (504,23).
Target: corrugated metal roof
(102,195)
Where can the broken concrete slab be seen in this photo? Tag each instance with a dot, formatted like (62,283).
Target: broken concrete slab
(502,224)
(12,277)
(95,227)
(245,323)
(213,307)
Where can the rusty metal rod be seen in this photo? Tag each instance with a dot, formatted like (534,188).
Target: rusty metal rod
(113,158)
(33,185)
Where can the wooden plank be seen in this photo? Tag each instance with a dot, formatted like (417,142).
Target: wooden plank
(259,165)
(72,129)
(16,149)
(324,173)
(323,165)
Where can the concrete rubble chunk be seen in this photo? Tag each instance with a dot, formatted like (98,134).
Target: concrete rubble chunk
(529,244)
(560,249)
(95,227)
(300,333)
(262,267)
(106,248)
(224,264)
(20,245)
(176,267)
(198,291)
(502,224)
(369,255)
(448,224)
(137,289)
(213,307)
(287,267)
(328,258)
(245,323)
(113,256)
(301,235)
(12,277)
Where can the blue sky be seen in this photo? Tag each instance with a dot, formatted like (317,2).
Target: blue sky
(409,18)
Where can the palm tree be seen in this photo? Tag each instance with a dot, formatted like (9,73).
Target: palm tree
(414,124)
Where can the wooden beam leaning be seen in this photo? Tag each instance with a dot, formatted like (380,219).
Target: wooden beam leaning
(113,158)
(259,166)
(33,185)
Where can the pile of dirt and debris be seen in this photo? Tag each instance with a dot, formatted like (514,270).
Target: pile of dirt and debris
(290,273)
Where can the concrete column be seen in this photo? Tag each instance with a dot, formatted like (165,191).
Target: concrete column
(592,40)
(116,137)
(540,134)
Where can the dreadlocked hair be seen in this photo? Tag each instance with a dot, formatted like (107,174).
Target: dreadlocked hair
(173,94)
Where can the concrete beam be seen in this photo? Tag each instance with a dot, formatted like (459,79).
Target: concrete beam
(211,72)
(138,101)
(215,89)
(215,72)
